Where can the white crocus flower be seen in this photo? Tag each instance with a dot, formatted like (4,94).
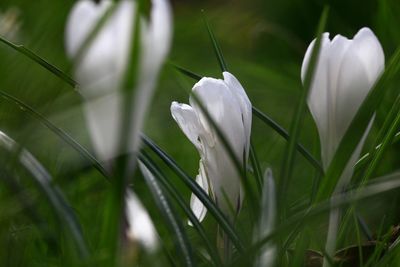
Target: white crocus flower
(101,69)
(267,222)
(230,108)
(140,226)
(345,72)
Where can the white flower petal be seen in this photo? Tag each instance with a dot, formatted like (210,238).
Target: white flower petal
(325,43)
(155,43)
(140,227)
(102,115)
(188,121)
(353,87)
(160,28)
(229,108)
(101,69)
(81,21)
(195,204)
(224,179)
(156,38)
(334,54)
(319,94)
(346,71)
(224,108)
(245,104)
(370,52)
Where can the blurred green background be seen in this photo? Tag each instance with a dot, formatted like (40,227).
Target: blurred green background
(263,42)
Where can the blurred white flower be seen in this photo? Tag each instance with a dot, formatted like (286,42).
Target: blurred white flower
(267,222)
(100,70)
(346,71)
(10,24)
(230,108)
(140,226)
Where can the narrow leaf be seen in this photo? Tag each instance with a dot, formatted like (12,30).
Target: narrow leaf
(288,163)
(39,60)
(387,133)
(256,167)
(171,189)
(170,215)
(45,182)
(197,190)
(367,157)
(58,131)
(216,47)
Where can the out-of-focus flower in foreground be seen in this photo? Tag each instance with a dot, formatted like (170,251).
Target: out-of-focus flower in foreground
(345,72)
(140,226)
(229,107)
(267,222)
(100,68)
(10,24)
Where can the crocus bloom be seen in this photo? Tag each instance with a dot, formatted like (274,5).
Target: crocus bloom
(346,71)
(267,222)
(101,68)
(228,105)
(140,226)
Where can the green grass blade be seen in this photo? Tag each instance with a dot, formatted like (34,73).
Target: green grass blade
(171,189)
(366,158)
(130,82)
(288,162)
(198,191)
(381,247)
(302,243)
(39,60)
(389,118)
(364,227)
(357,128)
(216,47)
(45,182)
(126,164)
(170,216)
(358,238)
(256,167)
(12,181)
(58,131)
(186,72)
(379,186)
(282,132)
(387,134)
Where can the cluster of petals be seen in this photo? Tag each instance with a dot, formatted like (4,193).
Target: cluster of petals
(102,53)
(345,72)
(230,109)
(101,63)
